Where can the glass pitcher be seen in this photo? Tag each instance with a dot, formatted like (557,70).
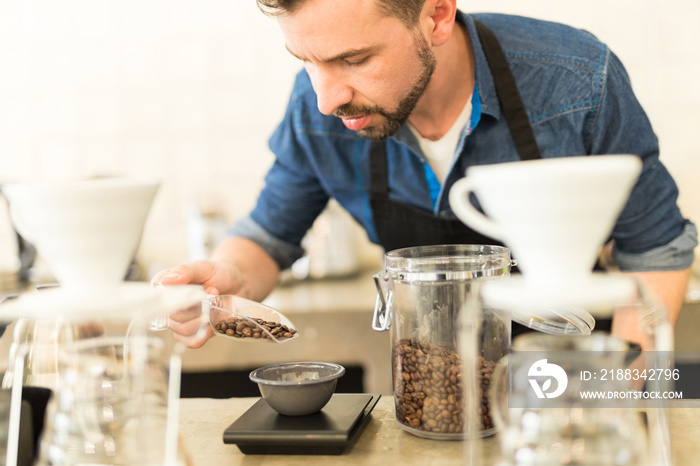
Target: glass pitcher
(112,403)
(42,335)
(420,295)
(575,399)
(116,384)
(566,429)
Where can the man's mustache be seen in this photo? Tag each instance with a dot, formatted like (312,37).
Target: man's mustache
(349,111)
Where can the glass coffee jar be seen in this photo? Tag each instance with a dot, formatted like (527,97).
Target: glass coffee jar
(421,293)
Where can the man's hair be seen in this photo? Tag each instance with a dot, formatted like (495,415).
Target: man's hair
(407,11)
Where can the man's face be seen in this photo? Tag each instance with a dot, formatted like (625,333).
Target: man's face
(366,69)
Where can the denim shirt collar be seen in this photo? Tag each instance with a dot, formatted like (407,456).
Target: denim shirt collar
(484,78)
(484,82)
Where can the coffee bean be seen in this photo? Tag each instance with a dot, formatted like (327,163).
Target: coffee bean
(428,387)
(237,327)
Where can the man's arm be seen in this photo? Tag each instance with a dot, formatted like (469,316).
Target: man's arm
(668,287)
(259,272)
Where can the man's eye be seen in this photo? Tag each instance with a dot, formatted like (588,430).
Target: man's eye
(356,62)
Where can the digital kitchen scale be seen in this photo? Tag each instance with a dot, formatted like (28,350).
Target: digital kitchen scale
(331,431)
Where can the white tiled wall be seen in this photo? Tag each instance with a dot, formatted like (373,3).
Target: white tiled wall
(189,90)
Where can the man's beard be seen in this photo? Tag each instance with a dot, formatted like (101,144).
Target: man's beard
(394,120)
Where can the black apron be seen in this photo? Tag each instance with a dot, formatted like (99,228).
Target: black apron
(401,225)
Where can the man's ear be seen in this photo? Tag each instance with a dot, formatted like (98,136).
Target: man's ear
(441,18)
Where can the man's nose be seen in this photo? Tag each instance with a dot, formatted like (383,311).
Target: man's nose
(331,90)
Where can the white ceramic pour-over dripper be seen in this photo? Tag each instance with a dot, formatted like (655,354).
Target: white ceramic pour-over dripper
(87,231)
(554,214)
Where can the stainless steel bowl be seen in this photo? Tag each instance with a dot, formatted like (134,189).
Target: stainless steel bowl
(297,388)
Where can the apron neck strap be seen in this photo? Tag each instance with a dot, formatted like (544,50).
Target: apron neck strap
(379,169)
(508,95)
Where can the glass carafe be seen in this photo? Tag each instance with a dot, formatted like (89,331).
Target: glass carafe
(575,399)
(566,429)
(421,293)
(44,337)
(111,407)
(115,385)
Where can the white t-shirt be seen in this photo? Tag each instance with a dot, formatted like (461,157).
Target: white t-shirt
(440,153)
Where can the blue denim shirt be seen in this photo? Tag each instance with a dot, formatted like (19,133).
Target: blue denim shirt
(579,101)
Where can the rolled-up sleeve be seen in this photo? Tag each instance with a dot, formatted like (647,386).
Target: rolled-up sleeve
(282,252)
(676,255)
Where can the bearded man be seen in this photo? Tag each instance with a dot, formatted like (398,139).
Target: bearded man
(398,98)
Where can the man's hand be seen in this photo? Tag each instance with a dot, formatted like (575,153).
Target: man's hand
(238,266)
(191,326)
(215,277)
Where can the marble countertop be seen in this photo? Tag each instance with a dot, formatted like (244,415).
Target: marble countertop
(203,421)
